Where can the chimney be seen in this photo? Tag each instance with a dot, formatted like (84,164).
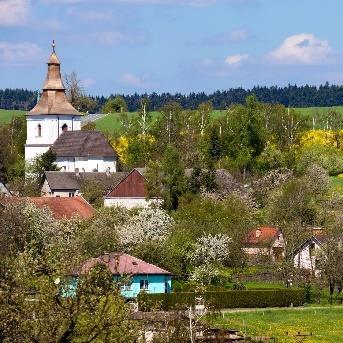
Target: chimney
(106,257)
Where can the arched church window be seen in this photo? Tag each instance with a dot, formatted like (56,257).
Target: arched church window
(64,127)
(39,130)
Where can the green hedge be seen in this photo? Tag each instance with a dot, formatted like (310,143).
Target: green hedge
(228,299)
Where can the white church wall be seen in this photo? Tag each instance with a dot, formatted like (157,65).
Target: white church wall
(85,164)
(50,129)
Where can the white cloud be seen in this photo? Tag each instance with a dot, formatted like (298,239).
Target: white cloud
(19,53)
(136,81)
(13,12)
(302,48)
(235,59)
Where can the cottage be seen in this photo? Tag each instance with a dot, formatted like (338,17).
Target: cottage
(61,208)
(130,191)
(264,244)
(306,256)
(144,276)
(69,184)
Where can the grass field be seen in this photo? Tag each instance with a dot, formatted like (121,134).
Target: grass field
(7,115)
(310,111)
(326,324)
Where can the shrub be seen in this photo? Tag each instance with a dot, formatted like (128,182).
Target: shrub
(226,299)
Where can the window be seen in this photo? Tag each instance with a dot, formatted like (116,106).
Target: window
(144,284)
(126,287)
(39,130)
(71,195)
(64,127)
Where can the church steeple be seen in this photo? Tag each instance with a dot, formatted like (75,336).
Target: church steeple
(53,99)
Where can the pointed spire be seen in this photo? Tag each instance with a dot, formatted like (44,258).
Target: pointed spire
(53,99)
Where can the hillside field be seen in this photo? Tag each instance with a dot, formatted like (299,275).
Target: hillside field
(7,115)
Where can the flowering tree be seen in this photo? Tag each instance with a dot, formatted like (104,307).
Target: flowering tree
(210,252)
(149,224)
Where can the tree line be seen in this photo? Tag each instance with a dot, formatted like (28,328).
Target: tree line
(289,96)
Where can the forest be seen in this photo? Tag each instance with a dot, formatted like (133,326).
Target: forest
(289,96)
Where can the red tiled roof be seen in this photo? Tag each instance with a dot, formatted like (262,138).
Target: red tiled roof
(60,207)
(262,235)
(121,264)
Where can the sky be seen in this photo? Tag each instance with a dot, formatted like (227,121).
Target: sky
(127,46)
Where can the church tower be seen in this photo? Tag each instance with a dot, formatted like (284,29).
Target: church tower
(52,115)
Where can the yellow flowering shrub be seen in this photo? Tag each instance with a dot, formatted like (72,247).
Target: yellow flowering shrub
(321,137)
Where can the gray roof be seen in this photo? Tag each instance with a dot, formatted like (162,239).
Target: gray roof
(72,181)
(83,144)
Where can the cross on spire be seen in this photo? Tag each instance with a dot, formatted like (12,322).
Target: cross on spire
(53,45)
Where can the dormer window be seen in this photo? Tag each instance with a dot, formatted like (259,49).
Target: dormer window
(258,233)
(64,127)
(39,130)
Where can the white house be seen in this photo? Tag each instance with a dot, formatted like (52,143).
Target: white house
(54,122)
(307,255)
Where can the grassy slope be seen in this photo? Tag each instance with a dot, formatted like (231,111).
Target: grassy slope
(7,115)
(326,324)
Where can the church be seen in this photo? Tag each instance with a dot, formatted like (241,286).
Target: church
(54,123)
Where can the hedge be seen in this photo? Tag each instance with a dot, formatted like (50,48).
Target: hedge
(228,299)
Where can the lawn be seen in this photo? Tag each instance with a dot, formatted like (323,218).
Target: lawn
(310,111)
(7,115)
(326,324)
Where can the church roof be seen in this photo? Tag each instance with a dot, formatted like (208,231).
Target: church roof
(83,144)
(53,100)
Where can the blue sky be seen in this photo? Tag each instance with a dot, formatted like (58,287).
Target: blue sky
(127,46)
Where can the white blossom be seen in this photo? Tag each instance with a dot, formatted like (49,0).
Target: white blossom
(150,224)
(210,249)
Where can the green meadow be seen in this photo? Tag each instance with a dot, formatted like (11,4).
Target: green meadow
(325,324)
(7,115)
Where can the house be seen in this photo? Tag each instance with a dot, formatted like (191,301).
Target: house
(144,276)
(61,208)
(264,244)
(55,123)
(69,184)
(4,191)
(84,151)
(306,255)
(130,191)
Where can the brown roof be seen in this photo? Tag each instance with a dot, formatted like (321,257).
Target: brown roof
(60,207)
(262,236)
(72,181)
(121,264)
(82,144)
(130,186)
(53,99)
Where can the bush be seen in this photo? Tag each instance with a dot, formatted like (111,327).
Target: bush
(225,299)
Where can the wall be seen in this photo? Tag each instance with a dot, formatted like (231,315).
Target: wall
(86,164)
(51,128)
(306,260)
(156,285)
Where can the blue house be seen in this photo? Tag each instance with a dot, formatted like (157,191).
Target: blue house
(141,276)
